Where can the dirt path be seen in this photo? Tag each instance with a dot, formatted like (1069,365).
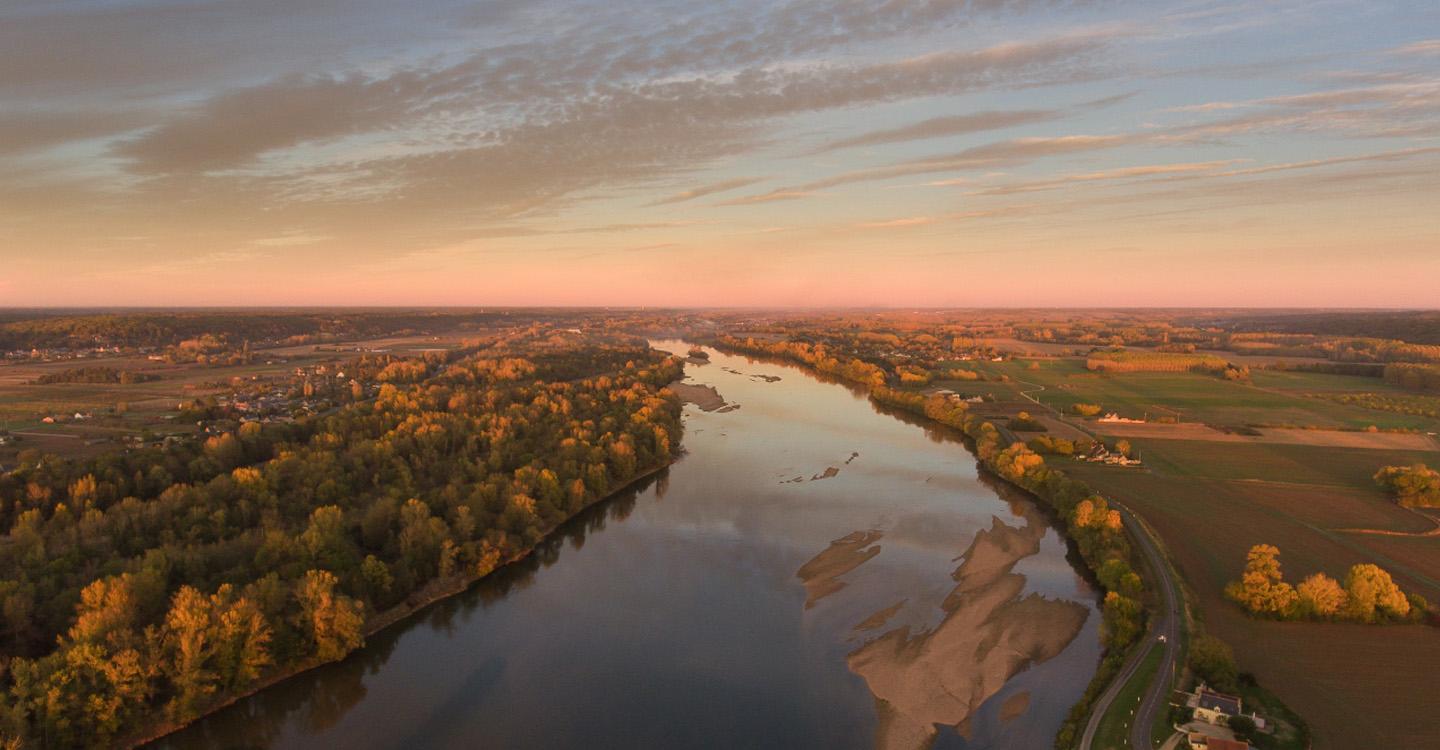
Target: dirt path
(1388,532)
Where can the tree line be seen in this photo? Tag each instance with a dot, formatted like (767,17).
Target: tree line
(97,374)
(1368,594)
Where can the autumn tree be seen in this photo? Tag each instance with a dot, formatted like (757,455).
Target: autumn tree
(1262,588)
(1319,595)
(211,643)
(1415,485)
(1120,623)
(331,621)
(1370,593)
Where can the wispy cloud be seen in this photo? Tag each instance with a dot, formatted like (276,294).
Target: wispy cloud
(941,127)
(1124,173)
(1423,48)
(778,195)
(704,190)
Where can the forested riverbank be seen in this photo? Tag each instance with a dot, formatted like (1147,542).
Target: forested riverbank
(167,582)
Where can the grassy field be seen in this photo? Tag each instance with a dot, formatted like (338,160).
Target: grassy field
(1274,398)
(1114,731)
(1273,462)
(1309,382)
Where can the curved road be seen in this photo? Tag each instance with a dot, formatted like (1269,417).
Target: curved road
(1167,624)
(1155,697)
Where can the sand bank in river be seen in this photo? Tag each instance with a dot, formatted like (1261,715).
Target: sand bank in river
(877,620)
(1015,706)
(842,556)
(703,396)
(989,633)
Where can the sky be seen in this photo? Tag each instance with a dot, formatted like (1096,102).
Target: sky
(729,152)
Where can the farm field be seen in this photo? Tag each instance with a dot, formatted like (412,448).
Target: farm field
(1273,462)
(1411,441)
(1192,397)
(149,405)
(1211,501)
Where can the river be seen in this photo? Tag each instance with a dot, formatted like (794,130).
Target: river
(937,606)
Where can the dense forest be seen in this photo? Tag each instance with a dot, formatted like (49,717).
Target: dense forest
(141,588)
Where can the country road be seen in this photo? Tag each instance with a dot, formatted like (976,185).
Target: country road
(1166,624)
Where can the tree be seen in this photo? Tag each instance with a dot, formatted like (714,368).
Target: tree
(1213,662)
(1320,595)
(1121,620)
(187,646)
(1095,513)
(327,540)
(1370,593)
(242,639)
(377,579)
(1415,485)
(1242,726)
(1261,588)
(331,621)
(107,611)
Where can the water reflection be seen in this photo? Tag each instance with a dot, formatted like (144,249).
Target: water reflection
(671,616)
(990,631)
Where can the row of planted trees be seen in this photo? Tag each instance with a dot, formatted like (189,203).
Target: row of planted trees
(138,590)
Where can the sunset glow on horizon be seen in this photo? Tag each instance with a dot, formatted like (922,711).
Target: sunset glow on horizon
(909,153)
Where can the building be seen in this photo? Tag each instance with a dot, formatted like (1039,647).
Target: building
(1200,741)
(1213,707)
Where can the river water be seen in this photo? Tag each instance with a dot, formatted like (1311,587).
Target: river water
(937,607)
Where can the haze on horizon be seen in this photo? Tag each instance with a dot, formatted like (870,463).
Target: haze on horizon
(913,152)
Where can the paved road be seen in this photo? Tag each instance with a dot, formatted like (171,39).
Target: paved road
(1157,693)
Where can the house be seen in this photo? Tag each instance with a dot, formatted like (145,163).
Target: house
(1213,707)
(1116,418)
(1200,741)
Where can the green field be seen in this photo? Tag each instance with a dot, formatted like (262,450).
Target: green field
(1273,399)
(1305,382)
(1273,462)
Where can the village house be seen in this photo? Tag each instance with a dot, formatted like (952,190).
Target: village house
(1199,741)
(1099,454)
(1213,707)
(1112,417)
(1218,708)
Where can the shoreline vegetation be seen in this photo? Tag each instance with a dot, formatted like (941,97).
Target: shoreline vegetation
(1094,528)
(225,564)
(433,593)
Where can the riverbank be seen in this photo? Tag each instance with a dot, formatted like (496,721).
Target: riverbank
(1012,462)
(432,593)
